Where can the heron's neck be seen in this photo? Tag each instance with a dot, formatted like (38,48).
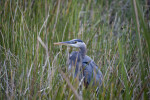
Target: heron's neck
(83,51)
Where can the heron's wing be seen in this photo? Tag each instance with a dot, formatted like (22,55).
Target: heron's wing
(91,71)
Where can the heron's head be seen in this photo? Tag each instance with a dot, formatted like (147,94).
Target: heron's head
(73,43)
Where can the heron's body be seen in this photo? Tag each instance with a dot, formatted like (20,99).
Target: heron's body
(82,63)
(87,67)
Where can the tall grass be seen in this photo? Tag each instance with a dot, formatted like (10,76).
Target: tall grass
(117,38)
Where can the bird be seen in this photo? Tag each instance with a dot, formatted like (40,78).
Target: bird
(82,64)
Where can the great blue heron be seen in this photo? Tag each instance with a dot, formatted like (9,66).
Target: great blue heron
(90,70)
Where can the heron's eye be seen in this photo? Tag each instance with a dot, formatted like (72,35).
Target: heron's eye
(75,41)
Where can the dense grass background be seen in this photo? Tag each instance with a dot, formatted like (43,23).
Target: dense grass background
(116,32)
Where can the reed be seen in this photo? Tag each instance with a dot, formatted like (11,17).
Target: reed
(117,37)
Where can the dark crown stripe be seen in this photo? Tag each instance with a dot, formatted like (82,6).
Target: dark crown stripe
(78,40)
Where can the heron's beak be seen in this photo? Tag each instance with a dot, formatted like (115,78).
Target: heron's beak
(63,43)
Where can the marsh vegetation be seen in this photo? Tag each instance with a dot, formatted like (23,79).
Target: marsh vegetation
(117,34)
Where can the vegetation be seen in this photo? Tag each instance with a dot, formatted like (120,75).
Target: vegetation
(116,33)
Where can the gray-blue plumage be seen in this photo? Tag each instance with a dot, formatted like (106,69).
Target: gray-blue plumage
(82,64)
(87,67)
